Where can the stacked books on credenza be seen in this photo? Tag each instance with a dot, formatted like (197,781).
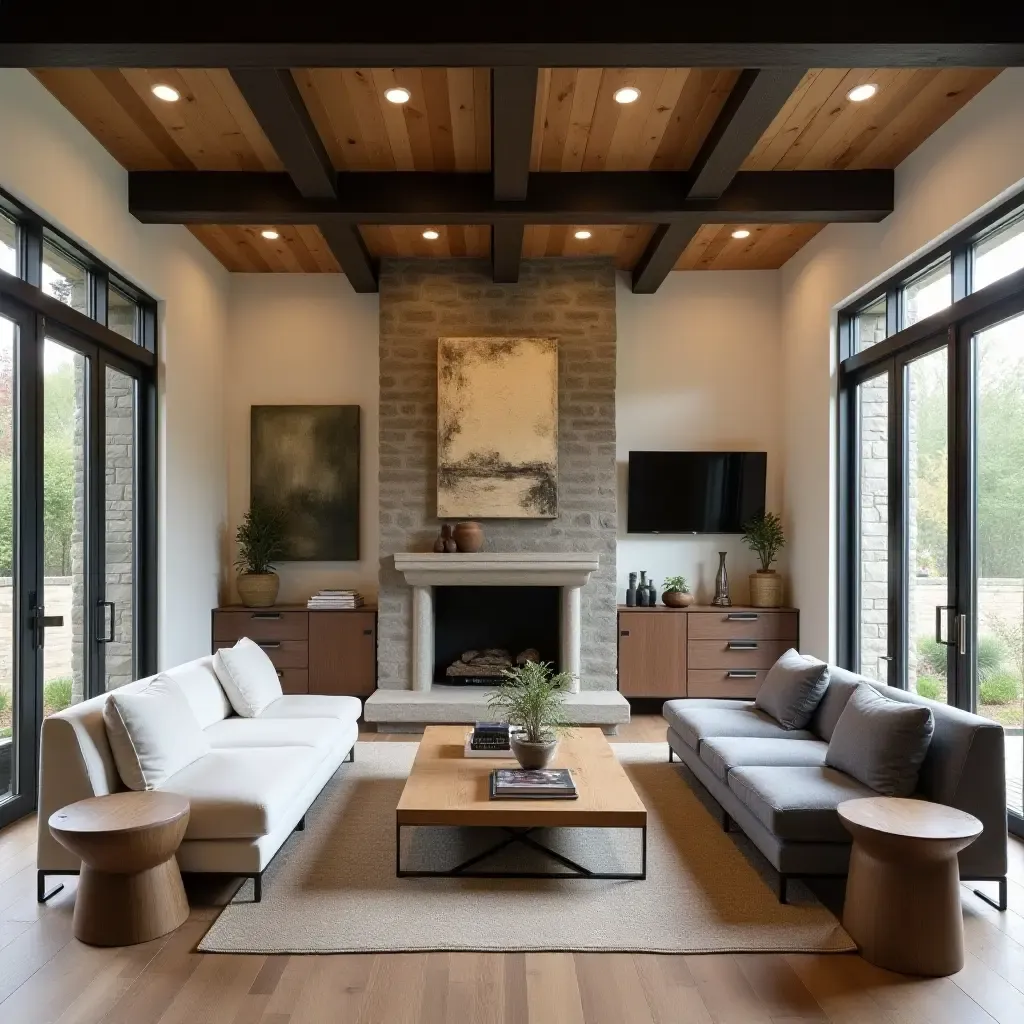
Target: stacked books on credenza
(489,739)
(326,599)
(532,784)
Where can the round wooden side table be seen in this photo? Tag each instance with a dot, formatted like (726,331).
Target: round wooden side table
(903,893)
(130,888)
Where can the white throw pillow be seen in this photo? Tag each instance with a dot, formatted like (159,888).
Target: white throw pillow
(248,677)
(153,733)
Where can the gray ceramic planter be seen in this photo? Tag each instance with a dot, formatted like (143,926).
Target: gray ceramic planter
(533,755)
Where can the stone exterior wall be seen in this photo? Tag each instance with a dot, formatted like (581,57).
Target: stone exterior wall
(572,300)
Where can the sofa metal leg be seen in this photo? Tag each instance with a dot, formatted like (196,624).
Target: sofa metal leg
(351,756)
(301,826)
(726,821)
(670,753)
(41,894)
(1002,904)
(783,882)
(257,888)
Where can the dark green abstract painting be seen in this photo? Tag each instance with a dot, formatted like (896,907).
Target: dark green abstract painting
(305,461)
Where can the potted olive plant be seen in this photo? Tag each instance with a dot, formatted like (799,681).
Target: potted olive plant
(260,541)
(677,593)
(764,536)
(532,697)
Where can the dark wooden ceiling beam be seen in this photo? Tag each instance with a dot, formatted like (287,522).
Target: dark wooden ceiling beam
(529,33)
(277,105)
(592,197)
(758,95)
(513,98)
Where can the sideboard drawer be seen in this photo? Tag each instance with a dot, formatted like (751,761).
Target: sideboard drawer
(259,625)
(734,624)
(286,653)
(294,680)
(726,654)
(718,682)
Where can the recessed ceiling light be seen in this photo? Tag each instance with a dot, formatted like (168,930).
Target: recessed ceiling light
(741,233)
(860,93)
(397,95)
(583,235)
(431,235)
(627,94)
(270,234)
(166,93)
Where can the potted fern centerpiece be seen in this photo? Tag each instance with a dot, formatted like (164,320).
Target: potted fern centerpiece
(677,593)
(532,696)
(260,541)
(764,536)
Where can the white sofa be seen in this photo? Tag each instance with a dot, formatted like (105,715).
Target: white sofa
(248,794)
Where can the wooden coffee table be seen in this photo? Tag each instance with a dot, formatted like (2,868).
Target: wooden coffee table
(445,789)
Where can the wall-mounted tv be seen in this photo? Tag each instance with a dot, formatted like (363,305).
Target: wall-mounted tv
(694,492)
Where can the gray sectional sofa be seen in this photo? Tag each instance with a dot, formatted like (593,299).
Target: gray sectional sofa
(774,784)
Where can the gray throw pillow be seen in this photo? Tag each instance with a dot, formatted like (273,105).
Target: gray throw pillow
(881,742)
(792,689)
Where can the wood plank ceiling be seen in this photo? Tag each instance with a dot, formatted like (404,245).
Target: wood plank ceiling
(446,126)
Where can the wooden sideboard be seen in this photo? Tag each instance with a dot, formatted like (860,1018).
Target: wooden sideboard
(323,651)
(701,651)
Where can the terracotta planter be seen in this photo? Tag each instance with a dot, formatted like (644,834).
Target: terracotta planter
(533,755)
(766,589)
(677,598)
(258,589)
(469,537)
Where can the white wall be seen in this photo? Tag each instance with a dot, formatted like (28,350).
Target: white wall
(973,161)
(698,368)
(49,161)
(303,339)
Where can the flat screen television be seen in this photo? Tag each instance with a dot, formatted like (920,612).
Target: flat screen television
(694,492)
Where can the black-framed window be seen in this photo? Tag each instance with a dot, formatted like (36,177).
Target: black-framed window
(78,470)
(931,479)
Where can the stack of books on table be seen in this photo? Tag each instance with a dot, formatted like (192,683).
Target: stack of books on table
(532,784)
(489,739)
(335,599)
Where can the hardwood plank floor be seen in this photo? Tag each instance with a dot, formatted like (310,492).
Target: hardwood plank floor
(47,977)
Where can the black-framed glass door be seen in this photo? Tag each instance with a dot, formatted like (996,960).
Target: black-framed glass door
(71,430)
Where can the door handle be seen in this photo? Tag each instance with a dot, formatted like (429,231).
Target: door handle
(108,637)
(961,633)
(939,609)
(42,622)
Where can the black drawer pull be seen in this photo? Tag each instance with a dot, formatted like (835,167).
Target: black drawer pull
(623,632)
(280,674)
(741,645)
(742,617)
(740,674)
(367,632)
(266,615)
(268,644)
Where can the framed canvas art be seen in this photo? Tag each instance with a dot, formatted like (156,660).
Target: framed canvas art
(305,461)
(497,428)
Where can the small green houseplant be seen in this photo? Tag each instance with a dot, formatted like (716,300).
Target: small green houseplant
(676,593)
(532,696)
(260,541)
(765,537)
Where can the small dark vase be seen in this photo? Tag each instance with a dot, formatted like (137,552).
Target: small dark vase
(641,591)
(450,547)
(534,755)
(439,544)
(631,592)
(469,537)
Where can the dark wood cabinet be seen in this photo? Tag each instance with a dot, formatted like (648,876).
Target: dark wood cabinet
(701,651)
(324,651)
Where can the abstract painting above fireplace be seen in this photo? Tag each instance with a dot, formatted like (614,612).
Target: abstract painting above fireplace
(497,428)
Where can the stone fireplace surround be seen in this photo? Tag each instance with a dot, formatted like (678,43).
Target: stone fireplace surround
(572,300)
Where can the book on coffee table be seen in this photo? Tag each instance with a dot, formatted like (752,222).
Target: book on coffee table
(532,784)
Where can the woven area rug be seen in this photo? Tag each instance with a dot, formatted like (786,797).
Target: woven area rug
(332,888)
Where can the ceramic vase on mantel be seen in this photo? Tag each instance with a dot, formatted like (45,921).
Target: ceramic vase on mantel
(765,589)
(469,537)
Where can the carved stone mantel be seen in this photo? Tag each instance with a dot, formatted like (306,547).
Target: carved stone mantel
(423,571)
